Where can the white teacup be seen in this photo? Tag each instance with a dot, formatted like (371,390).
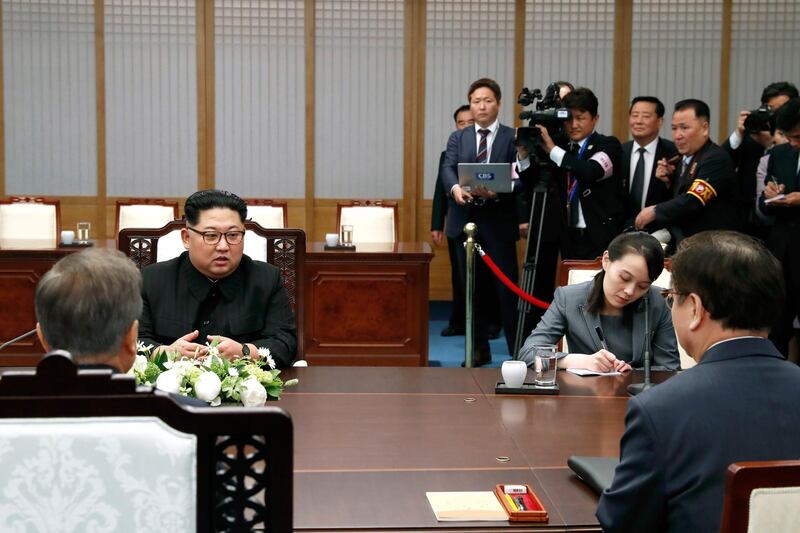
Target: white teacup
(67,237)
(331,239)
(514,373)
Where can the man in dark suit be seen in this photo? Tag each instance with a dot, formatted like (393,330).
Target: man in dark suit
(639,156)
(706,195)
(783,175)
(494,214)
(591,186)
(748,147)
(214,290)
(738,404)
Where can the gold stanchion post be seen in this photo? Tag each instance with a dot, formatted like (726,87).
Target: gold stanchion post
(469,328)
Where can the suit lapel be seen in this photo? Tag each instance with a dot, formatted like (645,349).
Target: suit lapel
(592,322)
(499,144)
(468,139)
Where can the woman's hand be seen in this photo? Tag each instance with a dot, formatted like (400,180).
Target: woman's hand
(600,361)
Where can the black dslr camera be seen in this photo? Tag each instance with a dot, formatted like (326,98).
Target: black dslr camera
(548,112)
(761,119)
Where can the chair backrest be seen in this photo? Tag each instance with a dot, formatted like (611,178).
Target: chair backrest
(268,213)
(145,213)
(372,221)
(282,248)
(762,496)
(30,222)
(143,459)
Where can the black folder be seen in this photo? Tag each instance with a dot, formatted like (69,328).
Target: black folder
(597,472)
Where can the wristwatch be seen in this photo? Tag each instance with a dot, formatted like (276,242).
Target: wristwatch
(245,350)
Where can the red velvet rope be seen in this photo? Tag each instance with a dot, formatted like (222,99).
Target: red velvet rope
(510,284)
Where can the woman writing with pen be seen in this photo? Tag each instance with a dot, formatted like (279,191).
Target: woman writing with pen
(604,319)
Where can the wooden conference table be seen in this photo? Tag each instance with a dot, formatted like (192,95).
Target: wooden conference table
(369,442)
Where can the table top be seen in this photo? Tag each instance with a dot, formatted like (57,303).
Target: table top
(395,251)
(369,442)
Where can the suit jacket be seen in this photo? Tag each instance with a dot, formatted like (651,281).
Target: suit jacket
(657,190)
(496,220)
(439,203)
(568,316)
(746,158)
(602,198)
(710,201)
(250,306)
(738,404)
(785,233)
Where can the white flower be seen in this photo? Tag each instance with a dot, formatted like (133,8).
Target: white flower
(263,351)
(141,347)
(168,364)
(169,381)
(213,351)
(140,364)
(253,393)
(183,367)
(216,402)
(233,371)
(207,386)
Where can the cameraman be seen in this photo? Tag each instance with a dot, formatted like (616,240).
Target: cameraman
(753,137)
(589,185)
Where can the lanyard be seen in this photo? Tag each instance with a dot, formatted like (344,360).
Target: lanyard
(573,183)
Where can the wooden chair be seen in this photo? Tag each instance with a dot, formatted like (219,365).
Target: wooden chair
(762,496)
(372,220)
(30,222)
(283,248)
(144,213)
(143,461)
(269,213)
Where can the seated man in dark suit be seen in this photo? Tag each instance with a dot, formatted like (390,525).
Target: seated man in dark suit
(738,404)
(89,305)
(214,290)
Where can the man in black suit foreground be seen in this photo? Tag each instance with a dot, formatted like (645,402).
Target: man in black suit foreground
(783,175)
(214,290)
(89,305)
(738,404)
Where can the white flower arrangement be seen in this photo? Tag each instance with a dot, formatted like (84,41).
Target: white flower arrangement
(213,379)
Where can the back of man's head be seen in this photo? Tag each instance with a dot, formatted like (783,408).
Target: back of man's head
(582,99)
(87,303)
(738,280)
(787,119)
(211,199)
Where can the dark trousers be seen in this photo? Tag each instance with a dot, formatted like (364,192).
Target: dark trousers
(782,332)
(544,284)
(577,245)
(458,314)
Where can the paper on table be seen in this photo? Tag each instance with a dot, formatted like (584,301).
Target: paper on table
(586,372)
(466,506)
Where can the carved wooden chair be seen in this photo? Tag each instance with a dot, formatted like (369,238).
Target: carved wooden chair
(268,213)
(30,222)
(144,213)
(283,248)
(133,459)
(372,220)
(762,496)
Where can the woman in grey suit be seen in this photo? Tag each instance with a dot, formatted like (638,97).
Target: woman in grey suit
(613,302)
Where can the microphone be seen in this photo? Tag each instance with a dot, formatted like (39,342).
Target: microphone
(636,388)
(15,339)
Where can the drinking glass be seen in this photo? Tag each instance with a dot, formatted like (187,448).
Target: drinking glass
(83,231)
(347,235)
(545,365)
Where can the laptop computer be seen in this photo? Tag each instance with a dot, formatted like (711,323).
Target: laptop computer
(494,177)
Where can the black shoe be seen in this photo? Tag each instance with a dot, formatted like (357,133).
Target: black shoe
(494,333)
(480,358)
(452,331)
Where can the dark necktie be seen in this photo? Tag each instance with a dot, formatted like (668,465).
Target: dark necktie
(483,148)
(574,202)
(637,186)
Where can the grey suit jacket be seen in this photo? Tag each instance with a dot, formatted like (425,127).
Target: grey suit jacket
(567,316)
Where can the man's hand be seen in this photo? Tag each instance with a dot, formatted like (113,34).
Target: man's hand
(793,198)
(229,348)
(740,122)
(461,196)
(773,189)
(645,217)
(546,142)
(186,347)
(523,231)
(664,171)
(437,237)
(483,192)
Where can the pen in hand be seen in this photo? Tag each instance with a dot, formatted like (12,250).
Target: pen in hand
(601,337)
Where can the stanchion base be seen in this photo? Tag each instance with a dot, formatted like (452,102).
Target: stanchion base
(527,388)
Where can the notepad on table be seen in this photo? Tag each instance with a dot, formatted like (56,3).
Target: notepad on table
(586,372)
(466,506)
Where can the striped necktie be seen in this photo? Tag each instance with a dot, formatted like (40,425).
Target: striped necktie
(483,148)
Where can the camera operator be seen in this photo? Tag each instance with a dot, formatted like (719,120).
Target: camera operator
(753,137)
(589,185)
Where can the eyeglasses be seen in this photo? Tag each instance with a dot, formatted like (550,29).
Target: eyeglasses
(213,237)
(669,296)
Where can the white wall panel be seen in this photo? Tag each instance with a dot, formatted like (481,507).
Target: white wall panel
(260,97)
(572,40)
(49,107)
(151,97)
(359,99)
(676,53)
(466,40)
(764,49)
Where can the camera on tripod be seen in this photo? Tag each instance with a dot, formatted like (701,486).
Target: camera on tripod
(548,111)
(761,119)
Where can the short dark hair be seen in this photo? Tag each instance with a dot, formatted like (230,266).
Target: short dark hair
(777,89)
(582,99)
(788,116)
(210,199)
(738,280)
(489,84)
(461,109)
(699,107)
(660,110)
(637,242)
(87,303)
